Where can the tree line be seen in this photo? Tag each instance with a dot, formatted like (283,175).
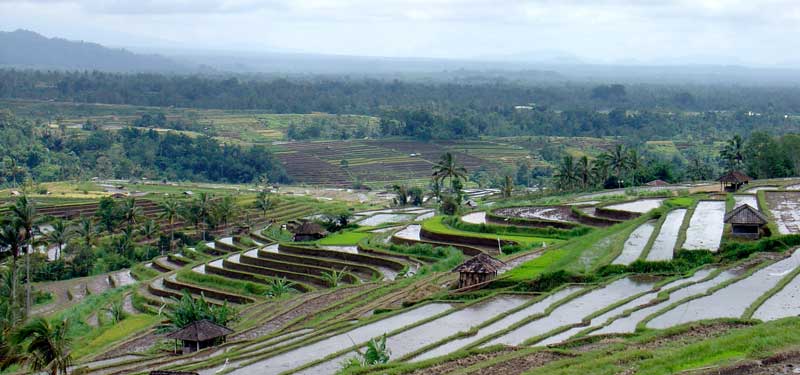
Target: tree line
(35,150)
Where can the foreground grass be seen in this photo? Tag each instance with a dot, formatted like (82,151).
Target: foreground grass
(748,343)
(105,336)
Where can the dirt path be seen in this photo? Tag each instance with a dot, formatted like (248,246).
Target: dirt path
(780,364)
(518,365)
(61,291)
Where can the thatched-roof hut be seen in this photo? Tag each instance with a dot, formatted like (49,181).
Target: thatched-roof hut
(746,221)
(199,335)
(657,183)
(733,180)
(308,231)
(478,269)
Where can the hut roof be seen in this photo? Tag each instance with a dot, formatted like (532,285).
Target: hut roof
(480,263)
(657,183)
(309,228)
(200,330)
(734,177)
(745,214)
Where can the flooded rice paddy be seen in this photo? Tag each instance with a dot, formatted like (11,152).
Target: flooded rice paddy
(302,355)
(530,310)
(745,199)
(705,226)
(636,243)
(784,303)
(410,232)
(640,206)
(664,244)
(730,301)
(573,311)
(785,208)
(475,218)
(628,323)
(380,219)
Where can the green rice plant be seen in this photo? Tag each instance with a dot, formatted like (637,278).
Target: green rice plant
(116,311)
(376,353)
(280,287)
(334,278)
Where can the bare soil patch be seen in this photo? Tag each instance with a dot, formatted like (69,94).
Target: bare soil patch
(456,364)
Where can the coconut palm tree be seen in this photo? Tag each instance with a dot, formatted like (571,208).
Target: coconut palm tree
(565,175)
(12,239)
(24,215)
(131,212)
(447,168)
(149,229)
(202,207)
(584,172)
(225,210)
(170,211)
(401,191)
(45,346)
(617,160)
(86,230)
(733,152)
(635,164)
(59,236)
(508,187)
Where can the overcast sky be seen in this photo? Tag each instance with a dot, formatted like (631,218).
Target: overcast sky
(751,32)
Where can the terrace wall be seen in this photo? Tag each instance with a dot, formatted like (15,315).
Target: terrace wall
(206,292)
(349,257)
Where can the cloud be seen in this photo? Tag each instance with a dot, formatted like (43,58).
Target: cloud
(600,30)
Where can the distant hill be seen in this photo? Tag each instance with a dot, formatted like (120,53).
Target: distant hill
(27,49)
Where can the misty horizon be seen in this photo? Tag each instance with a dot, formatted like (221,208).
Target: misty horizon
(730,33)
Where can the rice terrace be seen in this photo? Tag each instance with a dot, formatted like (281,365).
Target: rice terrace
(282,213)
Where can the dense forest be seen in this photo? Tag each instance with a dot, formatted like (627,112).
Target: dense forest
(444,110)
(45,154)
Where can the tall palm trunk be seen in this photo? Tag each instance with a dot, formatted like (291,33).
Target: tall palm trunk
(14,285)
(28,280)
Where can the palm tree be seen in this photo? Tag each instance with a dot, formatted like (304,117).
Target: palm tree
(170,211)
(12,239)
(599,171)
(24,213)
(402,195)
(584,172)
(617,159)
(447,168)
(59,236)
(131,212)
(733,152)
(634,163)
(202,209)
(565,176)
(86,231)
(149,229)
(225,210)
(508,187)
(46,346)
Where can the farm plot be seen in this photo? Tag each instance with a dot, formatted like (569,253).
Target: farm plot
(785,208)
(705,226)
(664,245)
(756,189)
(327,346)
(638,206)
(574,311)
(475,218)
(553,213)
(538,307)
(745,199)
(782,304)
(411,232)
(381,219)
(428,333)
(730,301)
(593,323)
(627,324)
(635,244)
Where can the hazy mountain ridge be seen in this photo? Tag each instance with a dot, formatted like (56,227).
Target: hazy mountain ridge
(27,49)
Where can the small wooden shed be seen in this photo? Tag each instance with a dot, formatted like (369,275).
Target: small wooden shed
(733,180)
(478,269)
(200,335)
(746,221)
(308,231)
